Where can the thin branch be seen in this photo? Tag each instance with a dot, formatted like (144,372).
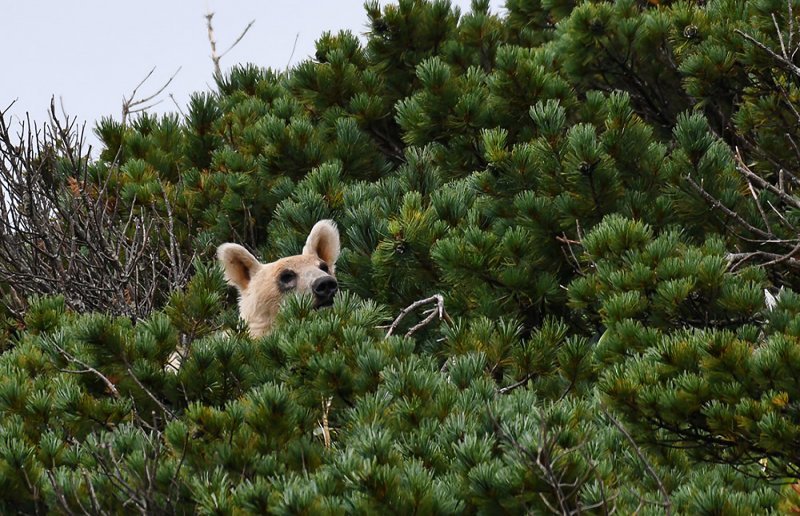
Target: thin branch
(749,174)
(216,57)
(132,102)
(789,65)
(438,309)
(758,204)
(236,42)
(177,106)
(667,504)
(87,369)
(92,496)
(515,385)
(737,259)
(62,500)
(167,412)
(326,431)
(294,47)
(716,203)
(571,258)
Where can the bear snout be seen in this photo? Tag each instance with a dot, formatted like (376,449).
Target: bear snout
(324,289)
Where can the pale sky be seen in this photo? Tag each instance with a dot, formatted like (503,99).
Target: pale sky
(90,53)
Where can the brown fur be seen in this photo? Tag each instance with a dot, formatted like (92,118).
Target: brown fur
(261,286)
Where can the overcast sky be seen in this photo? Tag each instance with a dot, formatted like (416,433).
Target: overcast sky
(90,53)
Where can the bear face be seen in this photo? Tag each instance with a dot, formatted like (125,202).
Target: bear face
(262,285)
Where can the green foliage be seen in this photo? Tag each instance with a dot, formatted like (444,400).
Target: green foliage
(589,185)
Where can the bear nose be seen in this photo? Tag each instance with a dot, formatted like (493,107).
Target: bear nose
(325,287)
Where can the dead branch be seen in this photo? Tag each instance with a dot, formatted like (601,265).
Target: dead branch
(752,176)
(86,369)
(737,259)
(784,59)
(65,229)
(177,106)
(437,310)
(132,105)
(59,492)
(213,42)
(215,57)
(294,47)
(571,258)
(515,385)
(666,503)
(237,40)
(326,431)
(716,203)
(92,495)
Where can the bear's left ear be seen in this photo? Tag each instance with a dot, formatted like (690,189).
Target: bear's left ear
(323,241)
(239,265)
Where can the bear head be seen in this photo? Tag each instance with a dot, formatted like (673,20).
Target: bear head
(261,286)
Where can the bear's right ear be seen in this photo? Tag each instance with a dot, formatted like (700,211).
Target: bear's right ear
(239,265)
(323,241)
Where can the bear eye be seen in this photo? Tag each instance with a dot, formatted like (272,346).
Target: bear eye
(324,267)
(286,277)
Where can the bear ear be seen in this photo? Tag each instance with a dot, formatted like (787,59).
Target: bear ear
(239,265)
(323,241)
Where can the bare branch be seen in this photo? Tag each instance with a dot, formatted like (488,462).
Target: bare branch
(177,106)
(431,314)
(716,203)
(326,430)
(667,503)
(750,175)
(782,60)
(134,105)
(737,259)
(515,385)
(86,369)
(236,42)
(167,412)
(213,42)
(294,47)
(66,229)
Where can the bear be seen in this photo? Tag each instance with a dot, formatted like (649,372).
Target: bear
(261,286)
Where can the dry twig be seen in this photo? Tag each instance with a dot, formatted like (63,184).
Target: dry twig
(326,431)
(666,503)
(65,229)
(437,310)
(716,203)
(87,369)
(215,57)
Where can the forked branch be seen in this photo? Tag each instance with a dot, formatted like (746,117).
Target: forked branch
(436,311)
